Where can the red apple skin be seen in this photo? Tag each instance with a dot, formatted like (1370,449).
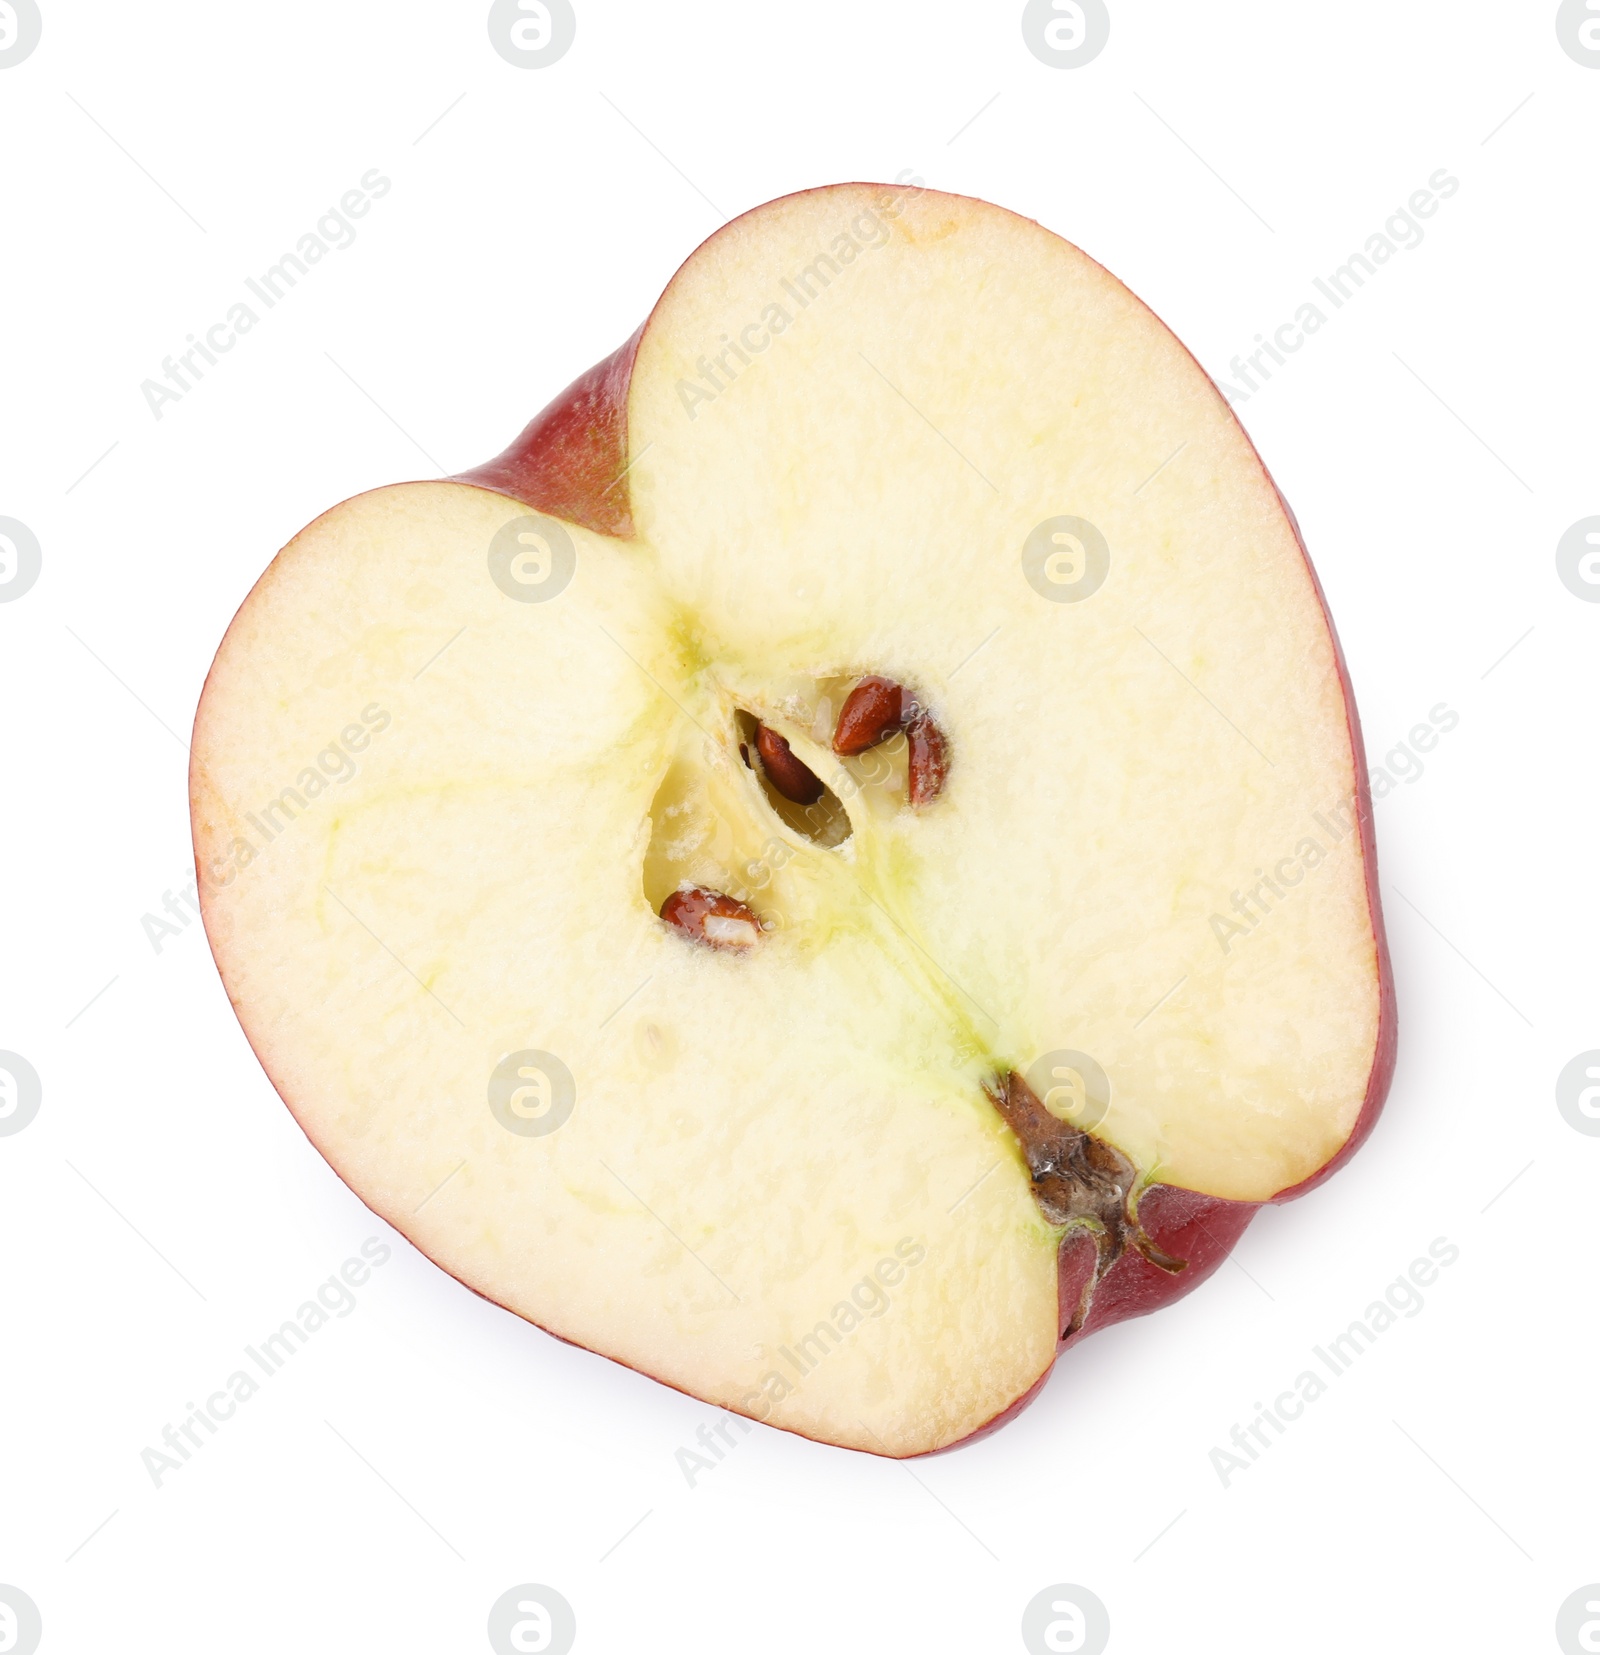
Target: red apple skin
(571,462)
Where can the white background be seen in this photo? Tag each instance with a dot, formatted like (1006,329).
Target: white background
(430,1451)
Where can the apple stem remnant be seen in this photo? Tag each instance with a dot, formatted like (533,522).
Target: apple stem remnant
(1081,1182)
(712,918)
(874,710)
(794,779)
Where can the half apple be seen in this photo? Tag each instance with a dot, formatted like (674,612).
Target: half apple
(838,862)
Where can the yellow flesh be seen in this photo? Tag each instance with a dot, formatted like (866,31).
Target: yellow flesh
(756,1131)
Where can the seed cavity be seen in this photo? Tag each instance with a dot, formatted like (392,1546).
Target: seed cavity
(712,918)
(712,828)
(798,796)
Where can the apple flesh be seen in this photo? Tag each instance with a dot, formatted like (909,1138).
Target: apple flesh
(800,1169)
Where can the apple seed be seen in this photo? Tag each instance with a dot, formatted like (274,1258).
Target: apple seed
(871,711)
(792,778)
(929,761)
(710,917)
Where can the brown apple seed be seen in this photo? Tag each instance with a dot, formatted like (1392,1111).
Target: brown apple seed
(710,917)
(872,710)
(793,778)
(929,759)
